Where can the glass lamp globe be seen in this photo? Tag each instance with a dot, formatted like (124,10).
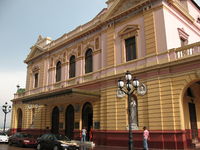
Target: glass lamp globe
(120,83)
(128,76)
(9,108)
(136,83)
(129,86)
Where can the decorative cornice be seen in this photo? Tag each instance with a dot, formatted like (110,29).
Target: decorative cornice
(95,24)
(182,33)
(182,9)
(98,23)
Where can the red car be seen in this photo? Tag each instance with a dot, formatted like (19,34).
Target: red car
(22,139)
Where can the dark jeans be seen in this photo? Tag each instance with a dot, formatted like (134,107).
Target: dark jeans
(145,144)
(83,138)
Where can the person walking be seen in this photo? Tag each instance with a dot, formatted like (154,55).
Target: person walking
(91,133)
(145,138)
(84,131)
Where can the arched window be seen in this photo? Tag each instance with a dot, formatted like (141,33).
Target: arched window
(72,67)
(88,61)
(58,71)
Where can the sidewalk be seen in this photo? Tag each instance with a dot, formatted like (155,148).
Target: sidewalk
(91,146)
(98,147)
(86,144)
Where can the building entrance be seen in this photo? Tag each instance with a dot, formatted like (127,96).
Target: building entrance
(19,117)
(193,120)
(69,122)
(55,120)
(192,111)
(87,118)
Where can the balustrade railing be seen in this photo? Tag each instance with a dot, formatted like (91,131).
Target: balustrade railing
(187,51)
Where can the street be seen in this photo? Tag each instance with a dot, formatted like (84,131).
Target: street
(7,147)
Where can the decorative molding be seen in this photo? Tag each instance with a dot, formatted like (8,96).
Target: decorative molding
(52,68)
(97,51)
(79,50)
(88,46)
(198,73)
(79,58)
(129,30)
(182,9)
(35,68)
(97,43)
(61,108)
(58,84)
(64,57)
(77,108)
(31,106)
(182,33)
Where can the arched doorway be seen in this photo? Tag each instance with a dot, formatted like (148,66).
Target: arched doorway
(55,120)
(191,105)
(69,122)
(19,120)
(87,118)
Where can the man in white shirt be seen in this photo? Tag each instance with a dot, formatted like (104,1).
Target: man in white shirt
(84,131)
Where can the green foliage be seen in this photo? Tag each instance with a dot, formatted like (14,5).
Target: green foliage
(20,91)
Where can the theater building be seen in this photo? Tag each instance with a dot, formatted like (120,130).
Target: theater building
(72,81)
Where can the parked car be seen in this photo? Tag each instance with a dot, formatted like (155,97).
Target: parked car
(56,142)
(3,137)
(22,139)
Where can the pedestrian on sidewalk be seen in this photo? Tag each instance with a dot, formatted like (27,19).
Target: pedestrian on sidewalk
(91,133)
(84,131)
(145,138)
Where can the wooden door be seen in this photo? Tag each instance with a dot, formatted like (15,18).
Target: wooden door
(55,121)
(69,122)
(193,120)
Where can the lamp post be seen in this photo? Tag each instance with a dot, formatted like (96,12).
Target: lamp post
(6,109)
(128,87)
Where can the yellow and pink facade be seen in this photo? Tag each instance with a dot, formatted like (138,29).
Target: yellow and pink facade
(167,60)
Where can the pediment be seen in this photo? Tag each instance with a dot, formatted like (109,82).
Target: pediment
(121,6)
(128,29)
(35,51)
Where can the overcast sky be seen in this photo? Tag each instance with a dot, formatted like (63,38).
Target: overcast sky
(22,21)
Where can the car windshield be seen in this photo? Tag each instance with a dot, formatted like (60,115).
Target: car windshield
(27,135)
(61,137)
(2,134)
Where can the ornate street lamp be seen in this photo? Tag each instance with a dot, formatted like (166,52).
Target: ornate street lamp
(128,87)
(6,109)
